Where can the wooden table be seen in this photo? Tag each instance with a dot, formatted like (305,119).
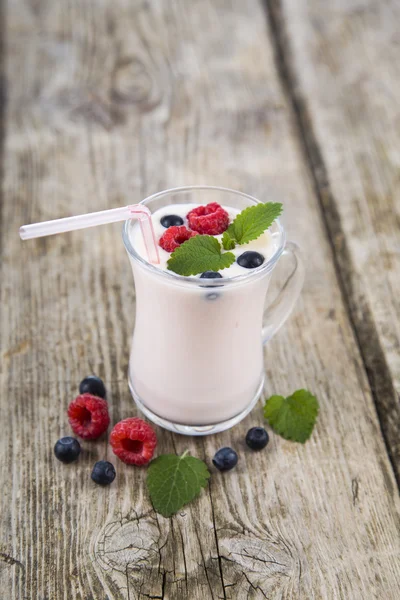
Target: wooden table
(104,103)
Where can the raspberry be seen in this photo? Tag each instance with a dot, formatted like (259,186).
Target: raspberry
(88,416)
(133,441)
(175,236)
(211,219)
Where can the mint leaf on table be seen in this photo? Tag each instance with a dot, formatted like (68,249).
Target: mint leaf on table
(198,254)
(251,223)
(173,481)
(294,417)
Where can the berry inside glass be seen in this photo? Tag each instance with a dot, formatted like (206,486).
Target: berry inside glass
(196,365)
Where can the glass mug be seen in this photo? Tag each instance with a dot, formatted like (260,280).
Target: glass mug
(196,363)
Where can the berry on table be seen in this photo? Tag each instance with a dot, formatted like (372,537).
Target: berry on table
(103,472)
(211,219)
(257,438)
(171,220)
(133,441)
(174,237)
(93,385)
(250,259)
(225,459)
(67,449)
(211,275)
(88,416)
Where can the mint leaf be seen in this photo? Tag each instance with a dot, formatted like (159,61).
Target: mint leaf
(198,254)
(227,242)
(173,481)
(294,417)
(253,221)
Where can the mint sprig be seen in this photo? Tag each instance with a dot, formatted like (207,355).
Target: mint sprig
(173,481)
(250,224)
(204,252)
(228,242)
(294,417)
(198,254)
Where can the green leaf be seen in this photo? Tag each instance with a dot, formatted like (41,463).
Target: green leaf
(227,242)
(173,481)
(294,417)
(198,254)
(253,221)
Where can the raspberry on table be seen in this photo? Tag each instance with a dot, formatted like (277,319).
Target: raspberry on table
(133,441)
(88,416)
(211,219)
(175,236)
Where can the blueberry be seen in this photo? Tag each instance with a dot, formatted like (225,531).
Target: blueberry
(93,385)
(67,449)
(211,275)
(171,220)
(103,472)
(257,438)
(213,296)
(225,459)
(250,260)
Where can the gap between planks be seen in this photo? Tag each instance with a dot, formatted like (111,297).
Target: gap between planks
(3,100)
(365,334)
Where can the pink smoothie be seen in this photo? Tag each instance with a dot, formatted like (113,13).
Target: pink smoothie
(197,355)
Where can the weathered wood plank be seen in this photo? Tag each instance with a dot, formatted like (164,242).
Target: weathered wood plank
(342,62)
(113,101)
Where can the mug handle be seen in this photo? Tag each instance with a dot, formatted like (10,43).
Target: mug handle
(278,311)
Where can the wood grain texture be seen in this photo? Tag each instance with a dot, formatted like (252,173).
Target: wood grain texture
(109,102)
(341,62)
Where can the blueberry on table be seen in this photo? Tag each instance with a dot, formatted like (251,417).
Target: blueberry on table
(103,472)
(257,438)
(211,275)
(250,259)
(171,221)
(225,459)
(93,385)
(67,449)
